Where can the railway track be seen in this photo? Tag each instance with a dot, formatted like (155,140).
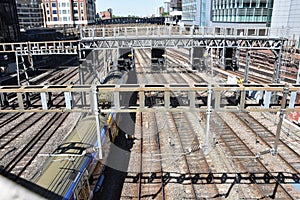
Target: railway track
(151,162)
(25,154)
(288,155)
(25,135)
(245,160)
(61,78)
(180,169)
(173,179)
(192,156)
(19,140)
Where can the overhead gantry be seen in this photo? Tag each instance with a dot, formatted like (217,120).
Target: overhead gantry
(173,98)
(226,42)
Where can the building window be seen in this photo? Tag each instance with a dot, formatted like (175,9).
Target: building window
(54,18)
(75,5)
(54,12)
(48,12)
(81,5)
(65,19)
(53,5)
(64,12)
(47,5)
(63,4)
(48,18)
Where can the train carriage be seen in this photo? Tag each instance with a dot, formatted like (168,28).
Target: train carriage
(68,171)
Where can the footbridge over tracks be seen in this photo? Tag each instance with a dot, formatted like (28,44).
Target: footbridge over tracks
(170,37)
(154,36)
(222,40)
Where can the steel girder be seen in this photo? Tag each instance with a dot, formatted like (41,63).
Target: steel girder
(182,42)
(188,98)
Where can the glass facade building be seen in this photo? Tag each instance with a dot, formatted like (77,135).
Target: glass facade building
(196,12)
(242,11)
(286,19)
(189,10)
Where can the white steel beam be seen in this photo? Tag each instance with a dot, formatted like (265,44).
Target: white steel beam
(71,93)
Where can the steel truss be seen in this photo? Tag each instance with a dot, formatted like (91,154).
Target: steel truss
(155,36)
(66,47)
(182,42)
(192,98)
(171,37)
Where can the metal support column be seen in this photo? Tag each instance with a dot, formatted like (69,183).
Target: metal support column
(18,70)
(44,101)
(30,59)
(20,101)
(242,99)
(81,81)
(217,99)
(105,61)
(68,100)
(247,67)
(132,56)
(116,100)
(167,99)
(192,97)
(277,67)
(96,113)
(94,63)
(238,58)
(191,57)
(81,73)
(208,111)
(1,100)
(223,55)
(25,70)
(267,99)
(142,99)
(279,125)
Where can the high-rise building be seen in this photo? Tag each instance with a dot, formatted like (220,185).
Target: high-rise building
(167,7)
(69,12)
(30,13)
(9,26)
(239,12)
(286,16)
(196,12)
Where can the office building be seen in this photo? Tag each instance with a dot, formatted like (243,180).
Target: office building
(30,13)
(167,7)
(239,12)
(286,18)
(196,12)
(9,26)
(69,13)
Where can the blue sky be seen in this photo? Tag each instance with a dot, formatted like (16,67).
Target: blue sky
(129,7)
